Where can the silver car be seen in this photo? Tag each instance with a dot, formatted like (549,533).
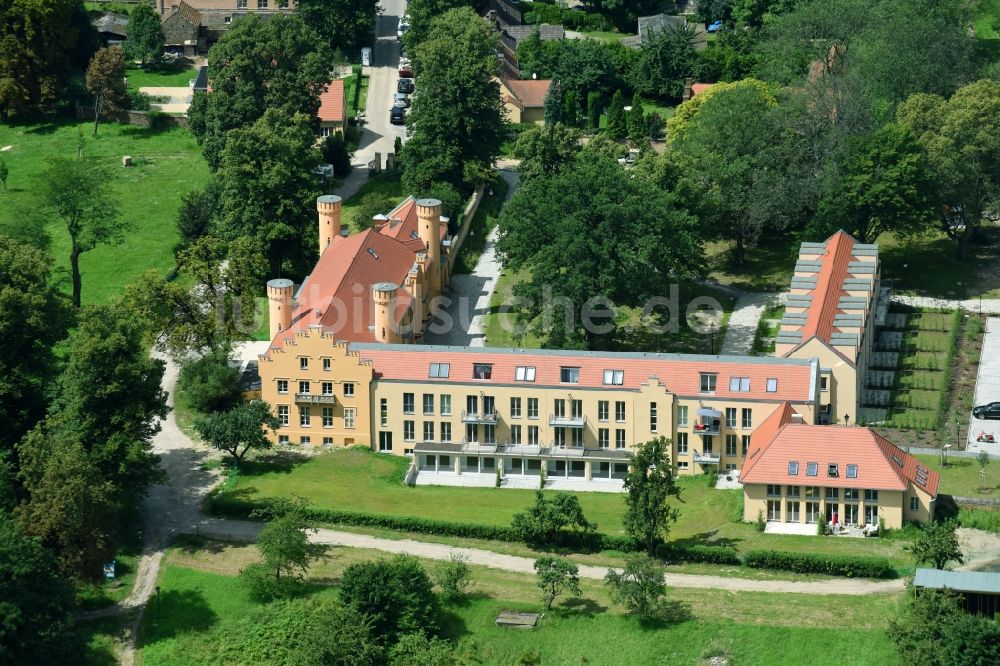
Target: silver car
(401,100)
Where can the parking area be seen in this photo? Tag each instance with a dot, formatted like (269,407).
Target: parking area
(987,390)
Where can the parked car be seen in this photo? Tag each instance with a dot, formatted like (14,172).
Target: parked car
(990,411)
(366,57)
(401,30)
(397,115)
(714,27)
(405,68)
(401,99)
(405,86)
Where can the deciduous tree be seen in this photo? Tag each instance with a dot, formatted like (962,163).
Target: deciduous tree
(545,150)
(649,486)
(395,593)
(937,544)
(639,586)
(145,34)
(456,123)
(346,25)
(106,82)
(556,576)
(284,545)
(666,59)
(239,429)
(544,524)
(78,193)
(423,13)
(35,615)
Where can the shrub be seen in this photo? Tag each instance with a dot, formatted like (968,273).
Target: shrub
(761,524)
(453,576)
(336,153)
(545,523)
(831,565)
(676,554)
(209,384)
(419,650)
(640,586)
(395,593)
(712,478)
(138,101)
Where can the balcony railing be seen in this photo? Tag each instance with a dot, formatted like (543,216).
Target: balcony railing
(479,417)
(568,421)
(710,427)
(316,398)
(708,458)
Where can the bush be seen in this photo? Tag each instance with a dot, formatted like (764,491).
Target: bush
(336,153)
(138,101)
(712,478)
(675,554)
(262,584)
(395,593)
(209,384)
(571,19)
(453,576)
(640,586)
(831,565)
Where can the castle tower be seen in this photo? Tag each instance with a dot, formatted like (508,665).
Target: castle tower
(279,300)
(384,298)
(429,228)
(328,207)
(415,285)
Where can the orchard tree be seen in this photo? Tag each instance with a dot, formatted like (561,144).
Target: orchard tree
(650,484)
(34,316)
(962,138)
(267,188)
(36,613)
(937,545)
(346,25)
(556,576)
(145,34)
(79,194)
(456,124)
(591,238)
(885,185)
(639,586)
(240,429)
(280,64)
(106,82)
(287,555)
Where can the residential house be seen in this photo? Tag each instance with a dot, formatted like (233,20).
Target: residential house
(332,112)
(524,99)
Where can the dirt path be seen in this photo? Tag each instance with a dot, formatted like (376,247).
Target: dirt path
(245,531)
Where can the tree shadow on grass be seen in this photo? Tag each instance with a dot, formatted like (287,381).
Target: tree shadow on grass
(580,607)
(178,612)
(710,538)
(453,626)
(670,613)
(283,462)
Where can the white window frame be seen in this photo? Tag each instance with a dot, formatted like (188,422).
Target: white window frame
(524,373)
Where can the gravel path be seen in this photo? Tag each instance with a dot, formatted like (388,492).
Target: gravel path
(742,327)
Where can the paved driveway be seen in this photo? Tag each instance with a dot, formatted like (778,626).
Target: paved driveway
(987,388)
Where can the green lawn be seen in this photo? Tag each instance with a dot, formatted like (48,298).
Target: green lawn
(605,36)
(370,482)
(962,476)
(166,76)
(201,595)
(168,164)
(906,262)
(387,184)
(350,83)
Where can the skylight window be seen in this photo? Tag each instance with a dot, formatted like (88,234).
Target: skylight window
(739,384)
(524,373)
(772,384)
(896,460)
(439,370)
(812,469)
(833,469)
(852,471)
(372,252)
(614,377)
(793,468)
(482,371)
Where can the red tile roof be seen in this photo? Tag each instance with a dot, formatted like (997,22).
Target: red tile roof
(332,107)
(403,224)
(881,464)
(829,281)
(337,294)
(680,373)
(698,88)
(529,93)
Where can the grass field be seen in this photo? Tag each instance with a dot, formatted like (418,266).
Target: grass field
(387,184)
(365,481)
(201,595)
(168,164)
(962,476)
(167,76)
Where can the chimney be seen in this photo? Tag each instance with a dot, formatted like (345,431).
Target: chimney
(384,299)
(797,418)
(688,89)
(429,217)
(328,207)
(279,299)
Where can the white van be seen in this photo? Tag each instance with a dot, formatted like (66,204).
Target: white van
(366,57)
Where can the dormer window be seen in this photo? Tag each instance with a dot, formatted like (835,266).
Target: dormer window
(793,468)
(739,384)
(439,370)
(482,371)
(569,375)
(708,382)
(833,470)
(614,377)
(852,471)
(524,373)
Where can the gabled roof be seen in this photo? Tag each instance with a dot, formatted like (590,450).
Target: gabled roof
(547,32)
(332,106)
(529,93)
(402,224)
(679,373)
(182,26)
(881,464)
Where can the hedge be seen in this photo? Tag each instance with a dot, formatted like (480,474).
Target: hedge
(675,554)
(832,565)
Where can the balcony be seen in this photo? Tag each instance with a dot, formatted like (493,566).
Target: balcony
(489,418)
(708,458)
(707,427)
(567,421)
(316,398)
